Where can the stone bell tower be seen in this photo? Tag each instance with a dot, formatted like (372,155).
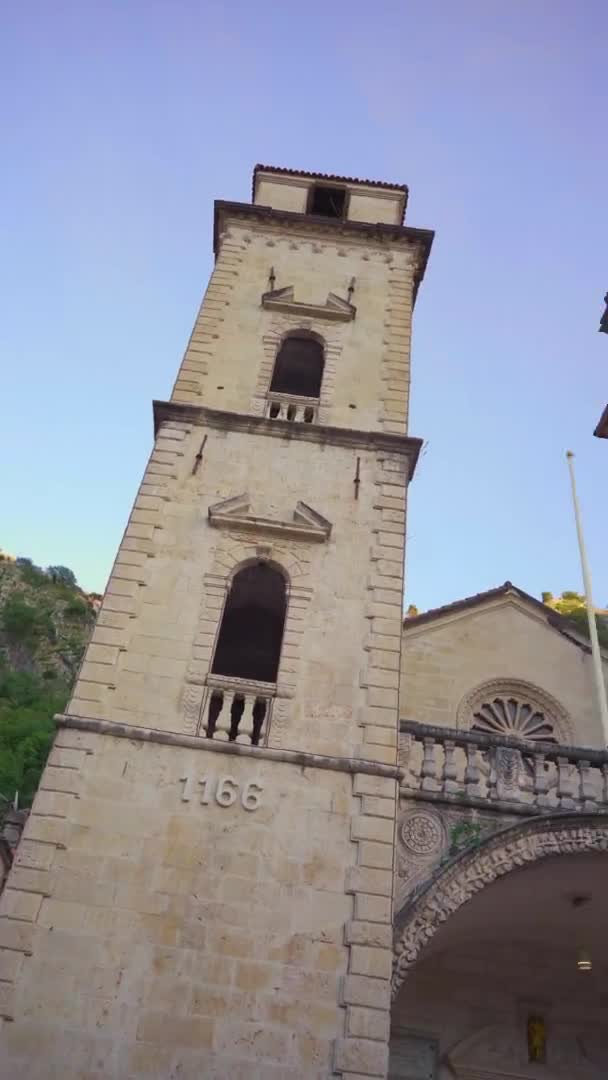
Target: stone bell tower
(203,888)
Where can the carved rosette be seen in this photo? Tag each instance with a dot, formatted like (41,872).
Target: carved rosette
(473,870)
(422,833)
(422,841)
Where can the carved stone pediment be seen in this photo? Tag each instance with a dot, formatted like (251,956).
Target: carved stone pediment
(306,523)
(284,300)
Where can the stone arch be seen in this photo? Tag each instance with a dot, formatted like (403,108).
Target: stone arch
(299,364)
(249,640)
(466,874)
(239,551)
(280,327)
(301,328)
(506,687)
(233,552)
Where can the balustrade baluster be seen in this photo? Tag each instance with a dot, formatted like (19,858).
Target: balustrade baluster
(216,714)
(471,772)
(587,793)
(245,730)
(541,780)
(564,785)
(260,714)
(429,766)
(492,778)
(450,770)
(481,766)
(236,713)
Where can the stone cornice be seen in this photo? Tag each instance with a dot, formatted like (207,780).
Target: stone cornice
(323,434)
(420,239)
(301,758)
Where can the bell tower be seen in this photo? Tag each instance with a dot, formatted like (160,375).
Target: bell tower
(204,884)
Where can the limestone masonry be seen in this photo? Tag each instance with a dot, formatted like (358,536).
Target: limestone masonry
(223,872)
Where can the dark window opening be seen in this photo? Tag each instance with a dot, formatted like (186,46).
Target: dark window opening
(298,368)
(251,633)
(275,409)
(328,201)
(309,415)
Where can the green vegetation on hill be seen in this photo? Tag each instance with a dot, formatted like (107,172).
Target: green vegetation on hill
(45,623)
(572,606)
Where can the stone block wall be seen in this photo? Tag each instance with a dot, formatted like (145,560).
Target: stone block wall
(183,907)
(224,364)
(152,927)
(155,634)
(443,661)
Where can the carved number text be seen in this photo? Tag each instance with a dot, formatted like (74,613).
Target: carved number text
(224,791)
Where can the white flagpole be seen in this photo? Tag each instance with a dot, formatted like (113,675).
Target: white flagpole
(600,685)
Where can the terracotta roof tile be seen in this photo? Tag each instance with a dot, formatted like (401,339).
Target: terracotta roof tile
(466,602)
(326,176)
(554,619)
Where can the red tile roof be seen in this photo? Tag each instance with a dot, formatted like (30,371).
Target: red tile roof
(326,176)
(554,619)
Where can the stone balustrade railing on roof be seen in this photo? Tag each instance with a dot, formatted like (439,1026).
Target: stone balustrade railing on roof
(513,775)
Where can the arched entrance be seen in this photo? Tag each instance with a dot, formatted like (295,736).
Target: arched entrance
(491,978)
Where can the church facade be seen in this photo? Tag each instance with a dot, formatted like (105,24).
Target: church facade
(282,833)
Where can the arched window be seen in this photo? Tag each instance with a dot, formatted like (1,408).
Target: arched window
(251,632)
(298,368)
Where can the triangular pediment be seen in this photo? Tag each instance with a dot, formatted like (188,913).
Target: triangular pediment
(305,523)
(335,307)
(507,600)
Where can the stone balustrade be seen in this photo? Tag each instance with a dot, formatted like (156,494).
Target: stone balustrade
(523,777)
(288,407)
(237,710)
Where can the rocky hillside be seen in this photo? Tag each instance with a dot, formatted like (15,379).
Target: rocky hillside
(45,623)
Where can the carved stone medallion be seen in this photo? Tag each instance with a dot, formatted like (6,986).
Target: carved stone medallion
(422,833)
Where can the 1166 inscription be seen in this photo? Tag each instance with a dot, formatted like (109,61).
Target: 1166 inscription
(224,790)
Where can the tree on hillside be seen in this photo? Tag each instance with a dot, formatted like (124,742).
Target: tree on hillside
(27,705)
(62,575)
(572,606)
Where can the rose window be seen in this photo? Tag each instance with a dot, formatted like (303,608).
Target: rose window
(518,719)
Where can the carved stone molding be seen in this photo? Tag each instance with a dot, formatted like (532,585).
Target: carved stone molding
(334,308)
(521,691)
(307,524)
(422,833)
(467,874)
(323,434)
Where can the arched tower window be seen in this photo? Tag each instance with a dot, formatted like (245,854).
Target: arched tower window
(251,632)
(298,368)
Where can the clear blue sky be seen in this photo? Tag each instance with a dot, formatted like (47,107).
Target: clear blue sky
(122,120)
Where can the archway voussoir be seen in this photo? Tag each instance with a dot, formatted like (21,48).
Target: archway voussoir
(468,873)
